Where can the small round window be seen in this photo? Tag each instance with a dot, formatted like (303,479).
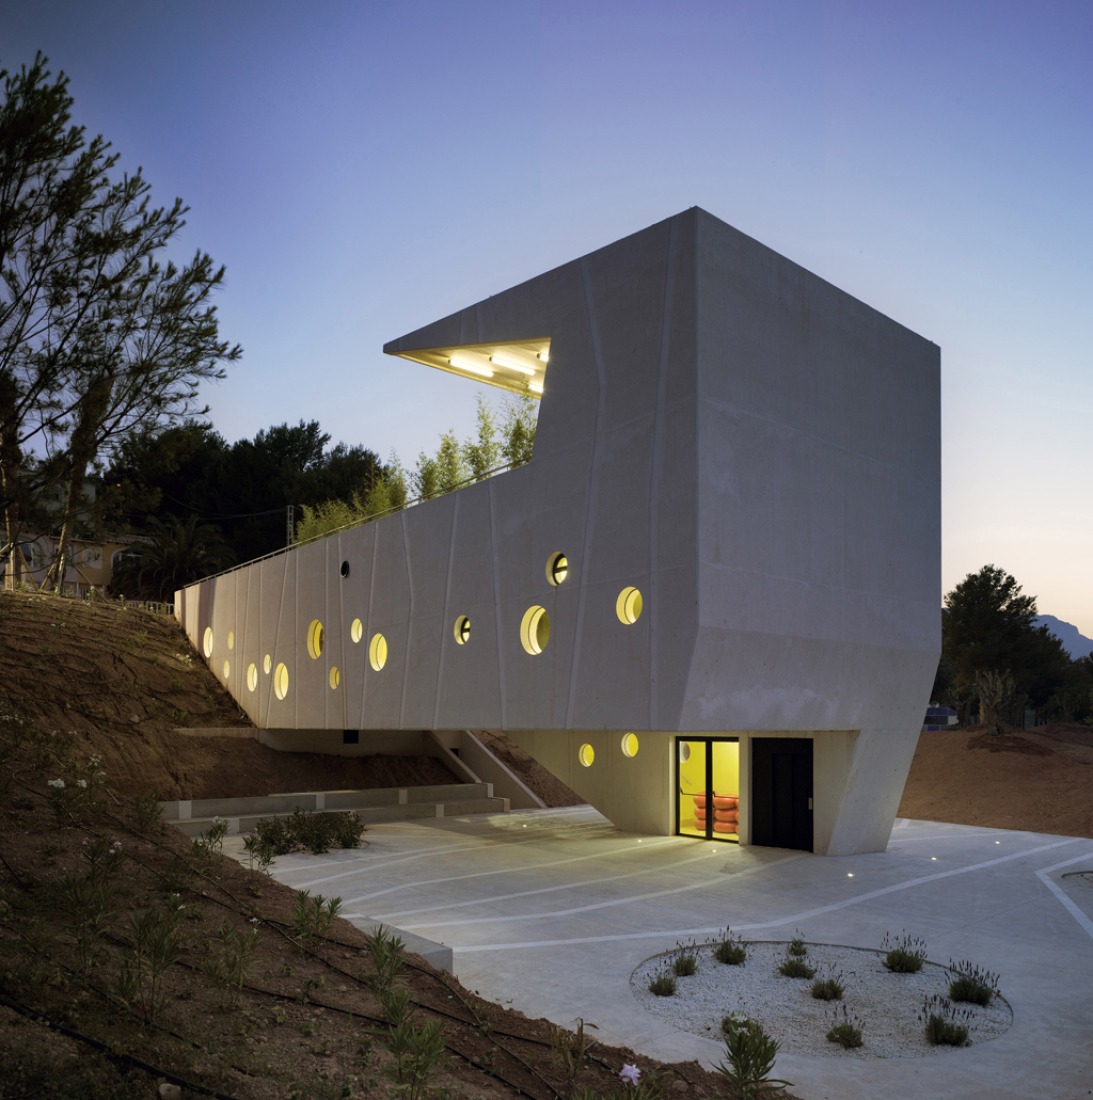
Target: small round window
(252,676)
(586,754)
(630,744)
(227,670)
(356,630)
(628,606)
(207,642)
(557,568)
(462,630)
(345,569)
(335,678)
(377,652)
(231,639)
(267,664)
(280,680)
(535,630)
(315,639)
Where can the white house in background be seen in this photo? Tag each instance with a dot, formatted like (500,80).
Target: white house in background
(709,603)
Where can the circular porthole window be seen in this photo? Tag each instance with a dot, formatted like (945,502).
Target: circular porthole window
(356,630)
(377,652)
(557,568)
(630,744)
(280,680)
(345,569)
(462,630)
(252,676)
(628,606)
(684,752)
(586,754)
(267,664)
(334,679)
(231,639)
(315,639)
(227,669)
(535,630)
(207,642)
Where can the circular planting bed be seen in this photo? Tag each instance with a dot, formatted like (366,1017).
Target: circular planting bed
(889,1009)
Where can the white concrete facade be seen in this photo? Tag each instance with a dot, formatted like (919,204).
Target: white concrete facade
(753,450)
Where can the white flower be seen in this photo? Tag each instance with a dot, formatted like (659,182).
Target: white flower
(58,783)
(629,1074)
(82,783)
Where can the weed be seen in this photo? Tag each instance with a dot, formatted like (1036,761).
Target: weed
(828,989)
(730,950)
(971,984)
(312,916)
(944,1024)
(751,1053)
(904,954)
(845,1029)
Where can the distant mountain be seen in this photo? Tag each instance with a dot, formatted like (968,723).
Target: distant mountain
(1075,643)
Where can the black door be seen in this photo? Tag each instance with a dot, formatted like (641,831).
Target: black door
(781,792)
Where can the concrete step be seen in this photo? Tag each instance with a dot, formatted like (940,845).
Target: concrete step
(195,816)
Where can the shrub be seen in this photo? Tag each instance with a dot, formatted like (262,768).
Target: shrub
(969,983)
(305,831)
(684,964)
(751,1053)
(797,946)
(845,1030)
(904,954)
(828,989)
(796,968)
(730,950)
(945,1025)
(663,984)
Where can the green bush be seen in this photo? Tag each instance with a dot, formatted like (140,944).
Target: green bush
(827,989)
(305,831)
(662,985)
(845,1029)
(796,968)
(730,950)
(945,1025)
(751,1053)
(904,954)
(971,984)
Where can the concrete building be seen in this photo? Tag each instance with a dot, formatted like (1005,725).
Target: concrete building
(709,603)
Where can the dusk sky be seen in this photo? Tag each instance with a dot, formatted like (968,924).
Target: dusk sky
(365,168)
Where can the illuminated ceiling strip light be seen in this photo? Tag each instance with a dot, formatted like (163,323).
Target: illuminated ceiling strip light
(461,362)
(503,360)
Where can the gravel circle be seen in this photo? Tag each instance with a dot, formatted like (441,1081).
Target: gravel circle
(886,1007)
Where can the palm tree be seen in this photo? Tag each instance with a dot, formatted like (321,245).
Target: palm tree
(174,553)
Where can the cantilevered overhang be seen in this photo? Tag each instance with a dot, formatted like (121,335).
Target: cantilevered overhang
(517,366)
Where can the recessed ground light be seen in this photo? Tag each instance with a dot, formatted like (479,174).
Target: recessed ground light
(628,606)
(315,639)
(377,652)
(535,630)
(933,859)
(849,874)
(462,630)
(207,642)
(356,630)
(252,676)
(586,754)
(557,568)
(280,680)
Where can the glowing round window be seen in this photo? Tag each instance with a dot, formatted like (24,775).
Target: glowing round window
(267,664)
(231,639)
(557,568)
(280,680)
(586,754)
(227,669)
(315,639)
(377,651)
(334,679)
(628,606)
(462,630)
(252,676)
(630,744)
(207,642)
(356,630)
(684,752)
(535,629)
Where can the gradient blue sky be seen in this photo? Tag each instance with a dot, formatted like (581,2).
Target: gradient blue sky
(365,168)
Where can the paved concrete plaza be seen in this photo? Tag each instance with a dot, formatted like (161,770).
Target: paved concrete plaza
(550,911)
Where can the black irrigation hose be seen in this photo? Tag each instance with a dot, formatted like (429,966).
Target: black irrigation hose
(125,1059)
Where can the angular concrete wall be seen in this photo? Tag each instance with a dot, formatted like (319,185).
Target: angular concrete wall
(751,448)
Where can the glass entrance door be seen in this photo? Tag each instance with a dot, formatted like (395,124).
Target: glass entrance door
(708,788)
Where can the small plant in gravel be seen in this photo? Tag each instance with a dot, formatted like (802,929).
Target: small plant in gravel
(797,947)
(828,989)
(845,1029)
(971,984)
(795,964)
(750,1052)
(904,954)
(685,962)
(663,983)
(944,1023)
(730,949)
